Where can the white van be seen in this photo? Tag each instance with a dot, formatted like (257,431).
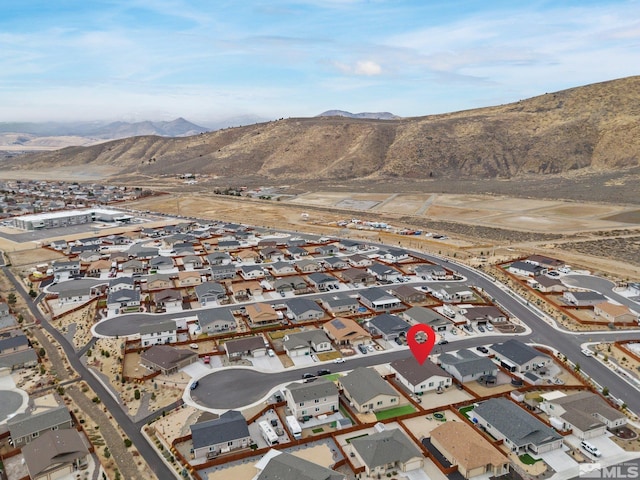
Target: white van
(593,450)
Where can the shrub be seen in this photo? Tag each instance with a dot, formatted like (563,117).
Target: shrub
(127,442)
(136,394)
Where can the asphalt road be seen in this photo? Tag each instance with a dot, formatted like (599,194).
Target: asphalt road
(234,388)
(150,455)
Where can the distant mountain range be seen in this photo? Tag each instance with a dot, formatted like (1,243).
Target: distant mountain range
(105,131)
(584,129)
(370,115)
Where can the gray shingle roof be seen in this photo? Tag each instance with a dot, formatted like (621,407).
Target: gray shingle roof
(298,306)
(467,362)
(27,423)
(229,426)
(516,351)
(162,326)
(289,467)
(53,448)
(514,423)
(303,392)
(389,324)
(364,383)
(416,373)
(385,447)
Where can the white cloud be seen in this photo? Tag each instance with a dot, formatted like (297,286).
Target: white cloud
(367,68)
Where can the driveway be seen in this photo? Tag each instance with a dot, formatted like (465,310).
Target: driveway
(559,460)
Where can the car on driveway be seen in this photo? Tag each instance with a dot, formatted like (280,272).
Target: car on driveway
(362,348)
(482,349)
(480,328)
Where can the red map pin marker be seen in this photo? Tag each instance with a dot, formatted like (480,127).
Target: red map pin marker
(421,350)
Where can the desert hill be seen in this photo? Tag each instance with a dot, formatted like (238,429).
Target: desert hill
(594,127)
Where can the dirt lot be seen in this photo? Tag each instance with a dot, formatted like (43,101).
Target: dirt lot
(582,235)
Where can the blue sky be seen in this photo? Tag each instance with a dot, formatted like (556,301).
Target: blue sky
(209,60)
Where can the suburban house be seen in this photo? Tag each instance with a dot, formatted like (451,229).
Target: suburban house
(64,270)
(167,299)
(358,260)
(464,447)
(519,357)
(368,391)
(123,300)
(345,331)
(293,283)
(418,378)
(521,431)
(243,291)
(159,281)
(167,359)
(547,284)
(224,434)
(216,320)
(387,325)
(484,314)
(387,451)
(351,245)
(192,262)
(261,314)
(430,272)
(378,300)
(219,258)
(409,294)
(297,251)
(326,250)
(253,346)
(272,254)
(210,292)
(583,299)
(132,266)
(613,313)
(43,414)
(466,366)
(122,283)
(335,263)
(356,276)
(98,268)
(307,400)
(303,309)
(189,278)
(585,413)
(246,255)
(222,272)
(323,281)
(545,261)
(251,272)
(282,268)
(426,316)
(526,269)
(341,305)
(303,343)
(158,333)
(285,466)
(56,454)
(161,264)
(396,255)
(77,295)
(308,266)
(384,273)
(226,245)
(20,359)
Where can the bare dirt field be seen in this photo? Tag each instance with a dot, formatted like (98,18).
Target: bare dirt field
(582,235)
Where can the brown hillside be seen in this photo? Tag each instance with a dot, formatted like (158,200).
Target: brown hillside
(595,127)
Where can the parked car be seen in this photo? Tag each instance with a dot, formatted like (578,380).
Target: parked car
(323,371)
(482,349)
(481,329)
(489,327)
(339,360)
(443,342)
(194,385)
(362,348)
(308,375)
(370,348)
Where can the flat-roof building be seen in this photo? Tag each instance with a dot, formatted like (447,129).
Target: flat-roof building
(66,218)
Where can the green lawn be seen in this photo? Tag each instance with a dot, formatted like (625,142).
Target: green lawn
(318,430)
(528,459)
(395,412)
(465,410)
(333,377)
